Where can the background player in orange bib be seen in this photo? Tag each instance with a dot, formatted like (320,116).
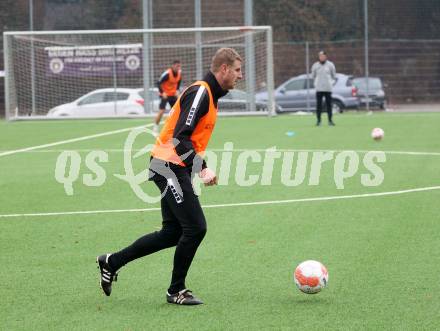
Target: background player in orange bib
(168,85)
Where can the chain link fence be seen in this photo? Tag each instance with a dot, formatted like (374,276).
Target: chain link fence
(403,43)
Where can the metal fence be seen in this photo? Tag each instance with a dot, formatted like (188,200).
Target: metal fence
(403,45)
(409,69)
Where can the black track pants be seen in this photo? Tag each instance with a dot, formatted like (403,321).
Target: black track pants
(183,226)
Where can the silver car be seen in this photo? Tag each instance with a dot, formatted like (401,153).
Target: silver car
(376,94)
(292,94)
(237,100)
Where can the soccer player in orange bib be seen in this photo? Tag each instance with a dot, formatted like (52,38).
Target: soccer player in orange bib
(176,157)
(168,85)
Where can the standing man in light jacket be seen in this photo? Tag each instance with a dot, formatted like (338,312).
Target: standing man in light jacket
(323,74)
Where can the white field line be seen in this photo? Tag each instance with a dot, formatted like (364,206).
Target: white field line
(332,150)
(62,142)
(241,204)
(244,149)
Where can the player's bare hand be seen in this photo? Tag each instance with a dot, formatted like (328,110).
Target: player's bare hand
(208,177)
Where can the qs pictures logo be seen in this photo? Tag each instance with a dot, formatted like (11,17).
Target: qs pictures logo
(246,167)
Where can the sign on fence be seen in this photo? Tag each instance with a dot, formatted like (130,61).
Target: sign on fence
(104,60)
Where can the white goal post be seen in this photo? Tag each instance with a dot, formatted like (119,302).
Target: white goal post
(105,73)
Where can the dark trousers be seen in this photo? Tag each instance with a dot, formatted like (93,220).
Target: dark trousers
(183,226)
(171,100)
(328,103)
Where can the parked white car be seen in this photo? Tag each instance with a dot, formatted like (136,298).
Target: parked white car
(106,103)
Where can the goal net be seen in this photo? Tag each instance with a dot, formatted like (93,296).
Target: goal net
(114,73)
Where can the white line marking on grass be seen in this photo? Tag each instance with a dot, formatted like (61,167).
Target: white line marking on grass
(83,212)
(331,150)
(240,204)
(118,150)
(62,142)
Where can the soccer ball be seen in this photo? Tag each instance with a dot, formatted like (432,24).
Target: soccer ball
(377,134)
(311,276)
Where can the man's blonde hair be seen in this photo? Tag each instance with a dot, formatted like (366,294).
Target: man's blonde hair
(224,56)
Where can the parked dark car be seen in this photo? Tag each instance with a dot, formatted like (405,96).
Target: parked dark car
(292,94)
(376,93)
(236,100)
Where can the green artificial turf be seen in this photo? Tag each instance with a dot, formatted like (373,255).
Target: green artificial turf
(382,252)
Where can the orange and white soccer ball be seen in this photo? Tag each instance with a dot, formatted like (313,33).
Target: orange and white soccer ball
(311,276)
(377,133)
